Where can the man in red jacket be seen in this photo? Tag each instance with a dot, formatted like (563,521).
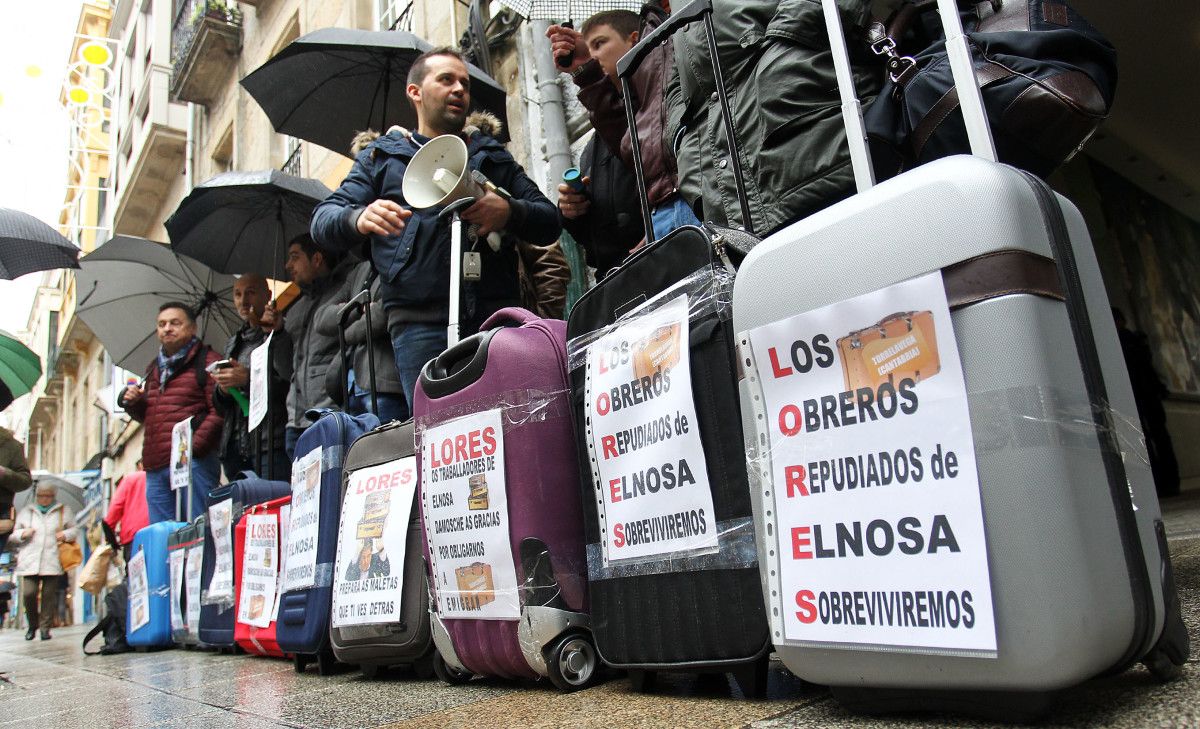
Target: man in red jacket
(176,387)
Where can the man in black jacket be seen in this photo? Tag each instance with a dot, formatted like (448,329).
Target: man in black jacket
(606,217)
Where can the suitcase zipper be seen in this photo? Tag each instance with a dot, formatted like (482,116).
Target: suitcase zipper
(1093,377)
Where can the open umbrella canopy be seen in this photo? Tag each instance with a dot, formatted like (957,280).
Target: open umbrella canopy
(328,85)
(68,494)
(567,9)
(20,368)
(241,222)
(27,245)
(122,284)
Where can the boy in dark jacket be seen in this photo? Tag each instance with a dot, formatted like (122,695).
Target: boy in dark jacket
(177,387)
(411,250)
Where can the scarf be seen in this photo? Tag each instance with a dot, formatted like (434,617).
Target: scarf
(44,509)
(167,365)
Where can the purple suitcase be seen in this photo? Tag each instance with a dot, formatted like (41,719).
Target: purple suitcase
(516,365)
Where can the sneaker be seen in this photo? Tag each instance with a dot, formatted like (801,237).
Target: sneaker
(45,635)
(30,633)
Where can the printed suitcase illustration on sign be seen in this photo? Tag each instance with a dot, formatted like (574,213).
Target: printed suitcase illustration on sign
(898,346)
(188,542)
(263,525)
(148,622)
(382,464)
(303,622)
(226,504)
(500,506)
(1033,481)
(672,296)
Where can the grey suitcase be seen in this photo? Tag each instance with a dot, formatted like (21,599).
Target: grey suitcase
(1080,577)
(188,538)
(410,641)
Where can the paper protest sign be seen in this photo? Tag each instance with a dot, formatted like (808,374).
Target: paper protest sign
(139,592)
(879,529)
(176,561)
(304,525)
(193,569)
(181,455)
(651,479)
(465,499)
(260,379)
(260,570)
(369,572)
(220,521)
(285,520)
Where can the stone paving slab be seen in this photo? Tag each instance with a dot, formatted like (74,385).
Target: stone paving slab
(52,684)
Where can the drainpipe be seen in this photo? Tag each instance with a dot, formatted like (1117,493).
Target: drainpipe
(189,157)
(554,115)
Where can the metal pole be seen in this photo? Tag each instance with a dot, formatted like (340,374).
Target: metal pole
(554,118)
(452,331)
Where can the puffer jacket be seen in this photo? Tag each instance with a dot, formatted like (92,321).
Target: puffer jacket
(238,445)
(606,109)
(387,377)
(786,110)
(160,409)
(38,553)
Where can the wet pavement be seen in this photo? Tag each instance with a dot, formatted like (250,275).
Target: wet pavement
(52,684)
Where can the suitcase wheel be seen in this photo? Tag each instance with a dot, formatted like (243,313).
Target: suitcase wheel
(326,663)
(1161,666)
(752,678)
(424,665)
(452,676)
(572,662)
(642,681)
(370,670)
(300,663)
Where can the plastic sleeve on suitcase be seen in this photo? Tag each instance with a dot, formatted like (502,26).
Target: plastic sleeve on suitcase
(539,588)
(322,576)
(735,550)
(517,408)
(332,457)
(709,290)
(222,601)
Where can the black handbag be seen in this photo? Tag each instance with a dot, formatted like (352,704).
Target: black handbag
(1047,78)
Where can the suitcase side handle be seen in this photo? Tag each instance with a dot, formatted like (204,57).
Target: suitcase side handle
(509,316)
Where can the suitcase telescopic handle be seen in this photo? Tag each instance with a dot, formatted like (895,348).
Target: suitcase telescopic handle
(957,46)
(359,302)
(628,64)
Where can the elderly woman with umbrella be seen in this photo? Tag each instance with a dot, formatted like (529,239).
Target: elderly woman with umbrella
(41,527)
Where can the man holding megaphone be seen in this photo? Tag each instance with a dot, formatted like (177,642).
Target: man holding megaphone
(409,243)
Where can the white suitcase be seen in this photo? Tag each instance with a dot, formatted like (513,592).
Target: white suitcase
(1048,540)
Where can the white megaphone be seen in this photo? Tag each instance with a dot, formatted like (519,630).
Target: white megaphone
(438,175)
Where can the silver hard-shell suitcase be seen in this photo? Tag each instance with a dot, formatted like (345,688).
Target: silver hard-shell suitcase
(1080,575)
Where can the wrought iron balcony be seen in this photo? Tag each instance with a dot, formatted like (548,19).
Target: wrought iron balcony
(205,39)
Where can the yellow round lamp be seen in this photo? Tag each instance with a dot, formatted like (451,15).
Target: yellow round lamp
(95,54)
(78,95)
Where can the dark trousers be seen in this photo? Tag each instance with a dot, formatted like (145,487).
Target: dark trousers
(47,585)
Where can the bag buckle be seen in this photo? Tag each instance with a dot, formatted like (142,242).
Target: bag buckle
(883,46)
(901,68)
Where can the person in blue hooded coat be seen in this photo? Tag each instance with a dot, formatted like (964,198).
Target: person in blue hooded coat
(411,248)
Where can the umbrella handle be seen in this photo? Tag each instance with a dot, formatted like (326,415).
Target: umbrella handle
(564,60)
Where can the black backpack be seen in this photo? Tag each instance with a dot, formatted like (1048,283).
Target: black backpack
(116,604)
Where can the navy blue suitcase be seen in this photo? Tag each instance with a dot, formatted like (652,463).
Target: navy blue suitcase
(302,627)
(156,632)
(217,619)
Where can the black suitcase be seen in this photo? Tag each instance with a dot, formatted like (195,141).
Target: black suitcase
(189,538)
(699,613)
(409,641)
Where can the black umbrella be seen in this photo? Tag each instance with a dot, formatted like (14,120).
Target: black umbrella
(238,222)
(27,245)
(335,82)
(122,283)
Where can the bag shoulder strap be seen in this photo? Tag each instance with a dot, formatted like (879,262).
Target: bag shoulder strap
(100,626)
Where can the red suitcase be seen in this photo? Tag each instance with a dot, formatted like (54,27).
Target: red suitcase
(250,638)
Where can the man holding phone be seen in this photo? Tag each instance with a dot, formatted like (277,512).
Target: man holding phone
(176,387)
(263,450)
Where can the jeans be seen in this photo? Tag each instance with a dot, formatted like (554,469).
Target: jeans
(291,435)
(670,215)
(160,499)
(391,407)
(414,344)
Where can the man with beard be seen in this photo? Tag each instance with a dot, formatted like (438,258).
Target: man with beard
(411,249)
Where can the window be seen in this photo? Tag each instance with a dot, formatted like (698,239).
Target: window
(52,341)
(394,14)
(222,156)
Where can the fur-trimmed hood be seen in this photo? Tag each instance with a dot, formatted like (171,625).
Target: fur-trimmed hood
(481,122)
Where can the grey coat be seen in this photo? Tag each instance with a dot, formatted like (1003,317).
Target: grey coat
(387,377)
(312,352)
(786,110)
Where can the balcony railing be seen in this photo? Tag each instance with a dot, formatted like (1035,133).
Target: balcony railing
(205,39)
(294,165)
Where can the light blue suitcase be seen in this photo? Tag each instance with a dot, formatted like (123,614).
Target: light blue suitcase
(152,541)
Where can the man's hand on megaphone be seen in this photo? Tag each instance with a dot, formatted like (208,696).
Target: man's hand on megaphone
(382,217)
(489,212)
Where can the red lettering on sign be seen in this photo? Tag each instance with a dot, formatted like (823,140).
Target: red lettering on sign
(808,611)
(777,370)
(794,476)
(614,488)
(603,404)
(801,540)
(609,445)
(619,535)
(790,420)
